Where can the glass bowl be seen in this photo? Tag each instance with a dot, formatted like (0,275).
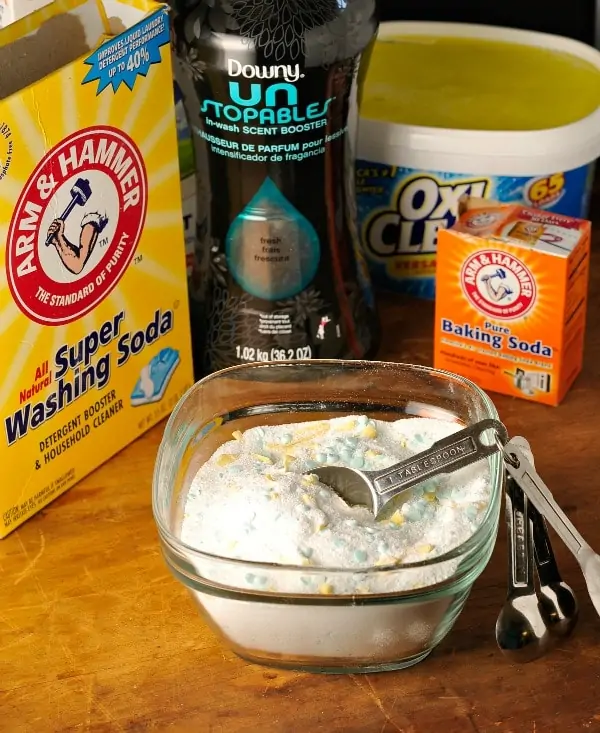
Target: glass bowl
(280,626)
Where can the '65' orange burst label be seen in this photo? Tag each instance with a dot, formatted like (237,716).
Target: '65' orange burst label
(545,191)
(76,225)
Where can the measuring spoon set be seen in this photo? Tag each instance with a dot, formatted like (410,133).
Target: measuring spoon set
(531,616)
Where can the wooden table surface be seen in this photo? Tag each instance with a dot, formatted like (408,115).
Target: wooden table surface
(95,635)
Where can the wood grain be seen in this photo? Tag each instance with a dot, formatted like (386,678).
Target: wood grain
(96,636)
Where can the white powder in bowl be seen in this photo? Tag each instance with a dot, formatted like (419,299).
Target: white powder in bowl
(253,501)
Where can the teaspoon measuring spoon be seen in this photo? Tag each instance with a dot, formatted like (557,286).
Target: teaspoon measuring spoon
(520,468)
(375,489)
(521,631)
(557,600)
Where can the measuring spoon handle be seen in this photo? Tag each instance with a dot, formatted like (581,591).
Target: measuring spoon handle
(544,555)
(547,567)
(520,550)
(521,470)
(449,454)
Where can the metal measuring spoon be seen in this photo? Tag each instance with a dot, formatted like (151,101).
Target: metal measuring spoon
(375,489)
(521,631)
(557,600)
(523,472)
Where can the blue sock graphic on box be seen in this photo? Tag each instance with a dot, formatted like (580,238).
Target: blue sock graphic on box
(155,377)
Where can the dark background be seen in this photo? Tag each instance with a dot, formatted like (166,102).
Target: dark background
(575,18)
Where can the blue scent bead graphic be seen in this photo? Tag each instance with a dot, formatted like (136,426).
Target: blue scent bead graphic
(272,250)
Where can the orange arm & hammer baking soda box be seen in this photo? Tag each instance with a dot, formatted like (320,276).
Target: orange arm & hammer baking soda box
(511,299)
(94,323)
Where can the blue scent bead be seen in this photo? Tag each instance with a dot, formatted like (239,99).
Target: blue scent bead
(357,461)
(414,513)
(471,512)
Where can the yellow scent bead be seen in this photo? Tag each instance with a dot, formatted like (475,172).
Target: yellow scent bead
(225,459)
(326,589)
(309,479)
(321,527)
(424,549)
(311,432)
(346,425)
(237,434)
(261,458)
(397,518)
(308,500)
(369,431)
(288,460)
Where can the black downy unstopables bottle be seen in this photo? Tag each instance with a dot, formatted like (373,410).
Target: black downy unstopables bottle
(274,111)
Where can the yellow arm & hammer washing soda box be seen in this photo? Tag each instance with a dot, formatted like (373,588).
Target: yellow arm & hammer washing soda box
(511,299)
(94,323)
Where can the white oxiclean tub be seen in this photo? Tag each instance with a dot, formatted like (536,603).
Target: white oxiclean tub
(410,178)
